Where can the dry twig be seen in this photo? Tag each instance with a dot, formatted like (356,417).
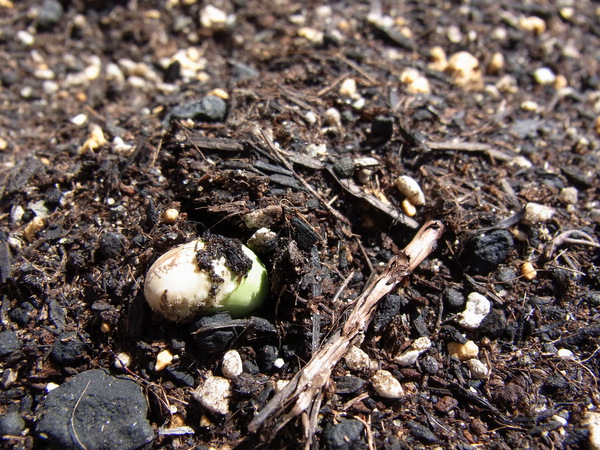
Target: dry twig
(306,386)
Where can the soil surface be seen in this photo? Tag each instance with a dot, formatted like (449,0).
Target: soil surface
(299,117)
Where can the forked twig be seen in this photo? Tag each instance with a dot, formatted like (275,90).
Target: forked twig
(299,394)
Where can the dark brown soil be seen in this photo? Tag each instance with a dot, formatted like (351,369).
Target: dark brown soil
(481,152)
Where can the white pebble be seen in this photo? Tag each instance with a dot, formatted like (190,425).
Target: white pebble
(214,394)
(333,118)
(410,189)
(536,213)
(278,363)
(358,360)
(232,365)
(463,352)
(348,88)
(593,426)
(163,360)
(44,74)
(529,105)
(544,75)
(479,371)
(569,195)
(50,87)
(565,353)
(386,385)
(476,309)
(409,357)
(25,38)
(79,119)
(311,34)
(213,18)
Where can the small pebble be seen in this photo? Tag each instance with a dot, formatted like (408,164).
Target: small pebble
(263,241)
(439,61)
(170,216)
(348,88)
(410,189)
(50,13)
(528,272)
(496,64)
(68,349)
(357,359)
(36,224)
(232,365)
(463,352)
(11,424)
(386,385)
(9,343)
(213,18)
(569,195)
(25,38)
(533,24)
(214,394)
(544,75)
(79,119)
(311,34)
(410,356)
(476,309)
(415,82)
(479,371)
(565,353)
(593,426)
(536,213)
(529,105)
(464,69)
(333,118)
(263,217)
(163,360)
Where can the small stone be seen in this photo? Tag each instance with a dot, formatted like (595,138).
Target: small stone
(170,216)
(95,410)
(453,298)
(496,64)
(311,34)
(415,82)
(163,359)
(569,195)
(484,252)
(528,272)
(68,349)
(386,385)
(476,309)
(593,426)
(430,365)
(356,359)
(409,357)
(263,242)
(544,75)
(344,166)
(565,353)
(79,119)
(9,343)
(50,13)
(11,424)
(348,384)
(529,105)
(348,88)
(214,394)
(536,213)
(333,118)
(347,434)
(463,352)
(210,108)
(532,24)
(479,371)
(232,365)
(410,189)
(36,224)
(25,37)
(213,18)
(439,61)
(464,69)
(263,217)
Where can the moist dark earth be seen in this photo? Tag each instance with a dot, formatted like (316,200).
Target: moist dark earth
(299,117)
